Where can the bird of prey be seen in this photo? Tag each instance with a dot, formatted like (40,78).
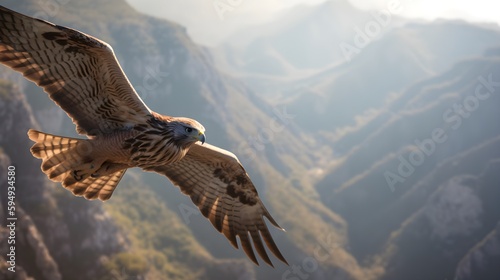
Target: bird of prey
(81,74)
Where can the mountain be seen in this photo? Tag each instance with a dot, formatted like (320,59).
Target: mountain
(419,176)
(306,59)
(406,54)
(305,37)
(300,42)
(380,167)
(163,234)
(478,263)
(53,232)
(453,220)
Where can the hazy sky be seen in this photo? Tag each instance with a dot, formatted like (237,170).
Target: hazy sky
(210,21)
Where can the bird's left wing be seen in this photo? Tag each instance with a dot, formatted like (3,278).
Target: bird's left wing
(79,72)
(222,190)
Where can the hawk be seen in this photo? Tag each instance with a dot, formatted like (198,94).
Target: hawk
(81,74)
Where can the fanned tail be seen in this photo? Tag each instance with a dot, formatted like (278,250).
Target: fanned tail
(68,160)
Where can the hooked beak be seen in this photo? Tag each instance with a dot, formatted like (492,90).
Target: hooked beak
(201,137)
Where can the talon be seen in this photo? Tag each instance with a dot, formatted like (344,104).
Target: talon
(94,175)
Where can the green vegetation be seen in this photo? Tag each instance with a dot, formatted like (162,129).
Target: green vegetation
(128,263)
(160,244)
(349,209)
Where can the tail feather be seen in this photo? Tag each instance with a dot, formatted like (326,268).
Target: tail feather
(56,150)
(69,160)
(101,187)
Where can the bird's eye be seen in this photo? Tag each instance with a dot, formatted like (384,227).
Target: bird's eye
(189,130)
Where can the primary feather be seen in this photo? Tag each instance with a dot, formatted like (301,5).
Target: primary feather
(81,74)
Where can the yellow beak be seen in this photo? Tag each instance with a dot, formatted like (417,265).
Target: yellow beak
(201,137)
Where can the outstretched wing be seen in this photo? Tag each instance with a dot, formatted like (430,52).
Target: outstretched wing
(79,72)
(222,190)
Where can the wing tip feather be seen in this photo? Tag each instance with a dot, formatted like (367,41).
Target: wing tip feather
(247,247)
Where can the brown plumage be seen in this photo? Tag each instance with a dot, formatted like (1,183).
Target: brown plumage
(81,74)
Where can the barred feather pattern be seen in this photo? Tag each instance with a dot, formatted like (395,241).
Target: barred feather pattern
(101,187)
(156,144)
(81,74)
(59,154)
(224,193)
(69,161)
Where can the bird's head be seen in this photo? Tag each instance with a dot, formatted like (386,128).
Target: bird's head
(188,131)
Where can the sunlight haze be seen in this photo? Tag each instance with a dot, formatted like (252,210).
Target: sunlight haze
(209,27)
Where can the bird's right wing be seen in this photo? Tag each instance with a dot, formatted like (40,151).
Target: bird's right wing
(79,72)
(222,190)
